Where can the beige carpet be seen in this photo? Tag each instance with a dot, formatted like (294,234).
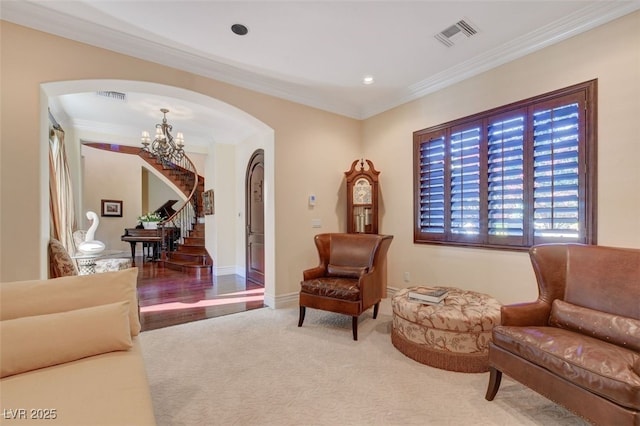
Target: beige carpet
(259,368)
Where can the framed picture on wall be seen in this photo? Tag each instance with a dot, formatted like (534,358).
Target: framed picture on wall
(208,202)
(111,208)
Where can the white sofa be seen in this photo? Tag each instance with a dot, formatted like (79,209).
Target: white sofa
(70,353)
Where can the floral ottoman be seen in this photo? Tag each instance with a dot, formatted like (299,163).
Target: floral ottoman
(453,335)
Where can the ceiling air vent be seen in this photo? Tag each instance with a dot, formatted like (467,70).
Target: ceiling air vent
(456,32)
(113,95)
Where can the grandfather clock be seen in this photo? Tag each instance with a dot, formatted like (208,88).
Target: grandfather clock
(362,198)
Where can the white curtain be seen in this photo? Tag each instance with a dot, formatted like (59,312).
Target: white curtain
(61,203)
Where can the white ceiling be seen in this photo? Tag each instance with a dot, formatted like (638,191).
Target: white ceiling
(312,52)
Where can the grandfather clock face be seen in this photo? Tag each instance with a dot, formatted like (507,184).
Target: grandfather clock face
(362,192)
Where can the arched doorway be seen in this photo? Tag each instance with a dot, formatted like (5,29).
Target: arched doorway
(261,137)
(254,199)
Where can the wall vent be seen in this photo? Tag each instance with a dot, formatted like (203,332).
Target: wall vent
(113,95)
(456,32)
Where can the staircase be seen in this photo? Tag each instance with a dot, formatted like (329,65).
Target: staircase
(190,255)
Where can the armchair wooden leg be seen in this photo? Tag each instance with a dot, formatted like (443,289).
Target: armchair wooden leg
(354,325)
(495,376)
(302,312)
(375,310)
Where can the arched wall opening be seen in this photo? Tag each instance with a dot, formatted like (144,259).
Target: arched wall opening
(262,137)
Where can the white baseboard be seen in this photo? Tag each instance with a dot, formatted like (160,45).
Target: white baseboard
(288,300)
(291,299)
(225,270)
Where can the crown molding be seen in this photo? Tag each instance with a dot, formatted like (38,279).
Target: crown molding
(41,18)
(555,32)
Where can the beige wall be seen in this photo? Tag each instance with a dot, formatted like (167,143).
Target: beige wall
(313,149)
(611,54)
(322,143)
(220,227)
(160,193)
(112,176)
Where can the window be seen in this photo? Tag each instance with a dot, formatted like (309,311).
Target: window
(512,177)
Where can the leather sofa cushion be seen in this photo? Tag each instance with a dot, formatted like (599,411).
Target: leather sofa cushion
(600,367)
(611,328)
(334,287)
(34,342)
(345,271)
(352,250)
(604,280)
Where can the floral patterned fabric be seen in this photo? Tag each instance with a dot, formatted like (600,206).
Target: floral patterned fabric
(462,324)
(60,263)
(115,264)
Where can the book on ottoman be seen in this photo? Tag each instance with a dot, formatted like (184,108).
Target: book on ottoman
(428,295)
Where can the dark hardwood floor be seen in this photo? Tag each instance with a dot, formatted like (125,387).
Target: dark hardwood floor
(169,297)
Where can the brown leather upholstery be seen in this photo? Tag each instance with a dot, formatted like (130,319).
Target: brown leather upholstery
(351,276)
(579,343)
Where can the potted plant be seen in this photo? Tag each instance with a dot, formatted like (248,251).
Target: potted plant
(150,220)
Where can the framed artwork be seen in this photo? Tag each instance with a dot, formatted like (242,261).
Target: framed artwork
(208,202)
(111,208)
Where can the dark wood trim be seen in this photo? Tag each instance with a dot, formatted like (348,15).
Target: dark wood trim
(122,149)
(585,94)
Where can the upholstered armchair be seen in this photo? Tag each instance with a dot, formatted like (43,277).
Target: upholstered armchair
(350,278)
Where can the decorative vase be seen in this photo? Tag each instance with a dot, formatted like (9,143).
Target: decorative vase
(150,225)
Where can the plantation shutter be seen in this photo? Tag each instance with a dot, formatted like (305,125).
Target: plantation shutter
(432,185)
(505,175)
(556,175)
(512,177)
(465,181)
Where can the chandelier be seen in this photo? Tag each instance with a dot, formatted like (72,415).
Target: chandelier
(164,146)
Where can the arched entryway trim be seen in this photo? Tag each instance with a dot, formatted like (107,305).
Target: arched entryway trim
(262,138)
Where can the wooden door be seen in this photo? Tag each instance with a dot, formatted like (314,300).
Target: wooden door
(254,194)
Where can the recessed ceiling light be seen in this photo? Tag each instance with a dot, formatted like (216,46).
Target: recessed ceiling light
(367,79)
(239,29)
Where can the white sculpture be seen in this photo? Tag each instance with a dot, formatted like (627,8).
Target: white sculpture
(90,245)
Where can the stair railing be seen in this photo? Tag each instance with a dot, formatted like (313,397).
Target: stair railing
(186,216)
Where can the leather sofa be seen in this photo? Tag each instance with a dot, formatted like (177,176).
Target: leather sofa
(70,352)
(579,343)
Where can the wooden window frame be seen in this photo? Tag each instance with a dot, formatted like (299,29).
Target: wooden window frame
(585,94)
